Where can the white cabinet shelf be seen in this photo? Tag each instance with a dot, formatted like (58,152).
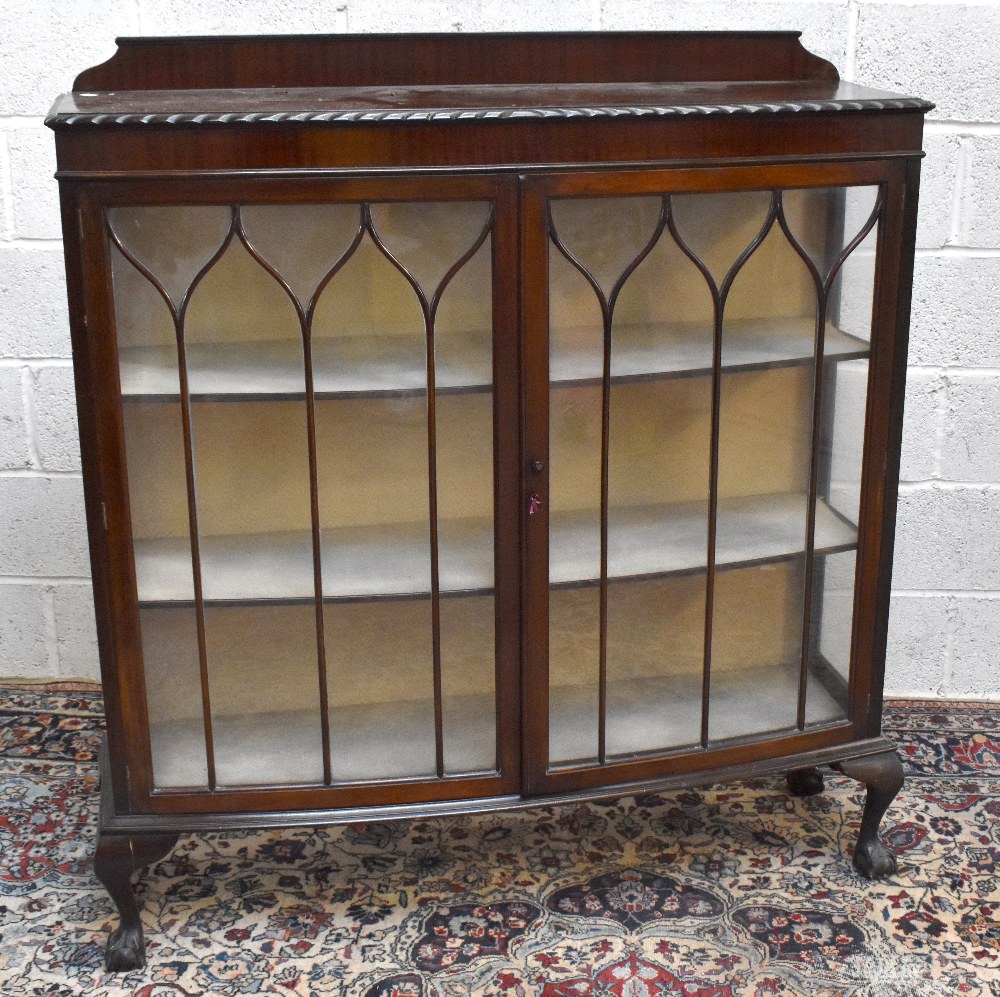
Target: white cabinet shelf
(375,365)
(393,560)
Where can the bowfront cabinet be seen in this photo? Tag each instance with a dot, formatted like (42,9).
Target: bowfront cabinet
(470,421)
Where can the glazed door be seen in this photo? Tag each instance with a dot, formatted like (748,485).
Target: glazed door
(698,374)
(318,393)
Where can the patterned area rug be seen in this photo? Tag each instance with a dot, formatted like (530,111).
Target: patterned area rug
(735,891)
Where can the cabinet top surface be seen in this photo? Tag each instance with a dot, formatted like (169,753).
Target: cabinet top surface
(456,77)
(463,103)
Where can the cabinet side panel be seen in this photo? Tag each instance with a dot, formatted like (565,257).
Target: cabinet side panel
(883,439)
(106,489)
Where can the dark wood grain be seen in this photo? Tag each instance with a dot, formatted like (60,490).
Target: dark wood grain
(425,59)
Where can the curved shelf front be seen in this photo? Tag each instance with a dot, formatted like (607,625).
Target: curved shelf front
(651,541)
(394,365)
(342,367)
(393,560)
(684,349)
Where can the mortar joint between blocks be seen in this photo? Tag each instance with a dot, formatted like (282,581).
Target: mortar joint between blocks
(851,46)
(7,232)
(51,631)
(956,237)
(29,384)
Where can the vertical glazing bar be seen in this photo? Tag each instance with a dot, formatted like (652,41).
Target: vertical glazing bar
(815,460)
(602,679)
(317,550)
(713,509)
(435,566)
(199,600)
(810,537)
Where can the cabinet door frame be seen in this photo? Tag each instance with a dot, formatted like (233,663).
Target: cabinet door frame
(898,178)
(106,488)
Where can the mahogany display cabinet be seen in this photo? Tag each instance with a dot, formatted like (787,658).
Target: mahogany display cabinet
(473,421)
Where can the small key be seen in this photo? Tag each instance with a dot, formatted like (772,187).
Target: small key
(534,504)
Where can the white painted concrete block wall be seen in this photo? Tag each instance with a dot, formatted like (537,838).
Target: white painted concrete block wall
(945,627)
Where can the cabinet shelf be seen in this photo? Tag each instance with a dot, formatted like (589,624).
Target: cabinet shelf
(649,351)
(392,561)
(342,366)
(276,748)
(395,365)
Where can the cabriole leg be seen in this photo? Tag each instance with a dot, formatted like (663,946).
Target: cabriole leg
(805,782)
(883,775)
(117,857)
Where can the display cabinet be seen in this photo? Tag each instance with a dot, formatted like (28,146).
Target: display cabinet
(475,421)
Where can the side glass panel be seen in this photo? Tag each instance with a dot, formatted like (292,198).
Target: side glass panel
(309,442)
(708,380)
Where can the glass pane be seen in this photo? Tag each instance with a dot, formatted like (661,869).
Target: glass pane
(468,683)
(379,657)
(252,470)
(245,280)
(154,451)
(574,642)
(463,353)
(174,243)
(841,450)
(765,441)
(173,696)
(658,478)
(374,508)
(756,651)
(264,683)
(303,242)
(376,492)
(655,658)
(429,238)
(717,228)
(605,234)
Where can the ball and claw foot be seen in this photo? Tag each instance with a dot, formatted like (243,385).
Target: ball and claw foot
(874,861)
(126,950)
(116,859)
(882,774)
(805,782)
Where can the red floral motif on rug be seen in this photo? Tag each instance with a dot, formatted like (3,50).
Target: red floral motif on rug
(634,977)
